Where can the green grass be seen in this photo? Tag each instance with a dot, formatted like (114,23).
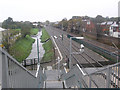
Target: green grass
(34,31)
(45,35)
(49,54)
(17,29)
(22,48)
(48,46)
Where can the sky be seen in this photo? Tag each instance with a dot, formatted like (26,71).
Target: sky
(55,10)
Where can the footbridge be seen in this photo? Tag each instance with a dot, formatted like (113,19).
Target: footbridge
(15,75)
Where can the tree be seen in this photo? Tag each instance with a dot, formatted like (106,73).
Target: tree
(99,19)
(8,23)
(25,29)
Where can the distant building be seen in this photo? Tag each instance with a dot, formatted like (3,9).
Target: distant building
(88,25)
(114,30)
(106,26)
(1,34)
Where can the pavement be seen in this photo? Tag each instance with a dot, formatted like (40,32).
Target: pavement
(52,78)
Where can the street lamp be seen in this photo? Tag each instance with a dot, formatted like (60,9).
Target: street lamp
(71,49)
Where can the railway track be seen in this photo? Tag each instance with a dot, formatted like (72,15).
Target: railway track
(64,48)
(109,54)
(90,61)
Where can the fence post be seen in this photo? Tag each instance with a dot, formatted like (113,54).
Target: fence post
(108,77)
(5,76)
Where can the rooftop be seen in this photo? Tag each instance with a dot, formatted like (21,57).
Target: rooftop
(2,29)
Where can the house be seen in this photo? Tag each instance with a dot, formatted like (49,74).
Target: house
(114,30)
(1,35)
(106,25)
(88,25)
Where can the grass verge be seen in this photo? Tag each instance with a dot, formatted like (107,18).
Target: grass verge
(22,48)
(48,46)
(45,35)
(34,31)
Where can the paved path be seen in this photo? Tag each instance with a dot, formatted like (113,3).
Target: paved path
(52,79)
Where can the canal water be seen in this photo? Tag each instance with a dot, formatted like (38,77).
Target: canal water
(34,52)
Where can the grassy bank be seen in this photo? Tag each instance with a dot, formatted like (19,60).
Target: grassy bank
(45,35)
(22,48)
(48,46)
(34,31)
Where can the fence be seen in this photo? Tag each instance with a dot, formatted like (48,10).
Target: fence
(14,75)
(107,54)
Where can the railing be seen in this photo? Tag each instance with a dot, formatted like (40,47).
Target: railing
(74,77)
(14,75)
(105,77)
(108,77)
(29,62)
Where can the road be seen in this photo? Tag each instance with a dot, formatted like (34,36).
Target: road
(86,59)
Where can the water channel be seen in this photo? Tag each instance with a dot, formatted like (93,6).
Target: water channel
(34,52)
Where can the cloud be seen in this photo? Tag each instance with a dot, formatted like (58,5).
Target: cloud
(54,10)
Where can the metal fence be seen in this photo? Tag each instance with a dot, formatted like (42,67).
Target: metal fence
(105,77)
(14,75)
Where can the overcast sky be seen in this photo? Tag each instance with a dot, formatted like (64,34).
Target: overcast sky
(56,10)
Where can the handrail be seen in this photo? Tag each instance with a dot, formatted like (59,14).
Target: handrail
(3,51)
(74,77)
(106,67)
(105,77)
(14,75)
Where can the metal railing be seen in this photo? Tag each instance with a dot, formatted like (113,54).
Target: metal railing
(14,75)
(105,77)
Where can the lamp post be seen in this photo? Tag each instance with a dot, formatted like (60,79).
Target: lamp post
(71,49)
